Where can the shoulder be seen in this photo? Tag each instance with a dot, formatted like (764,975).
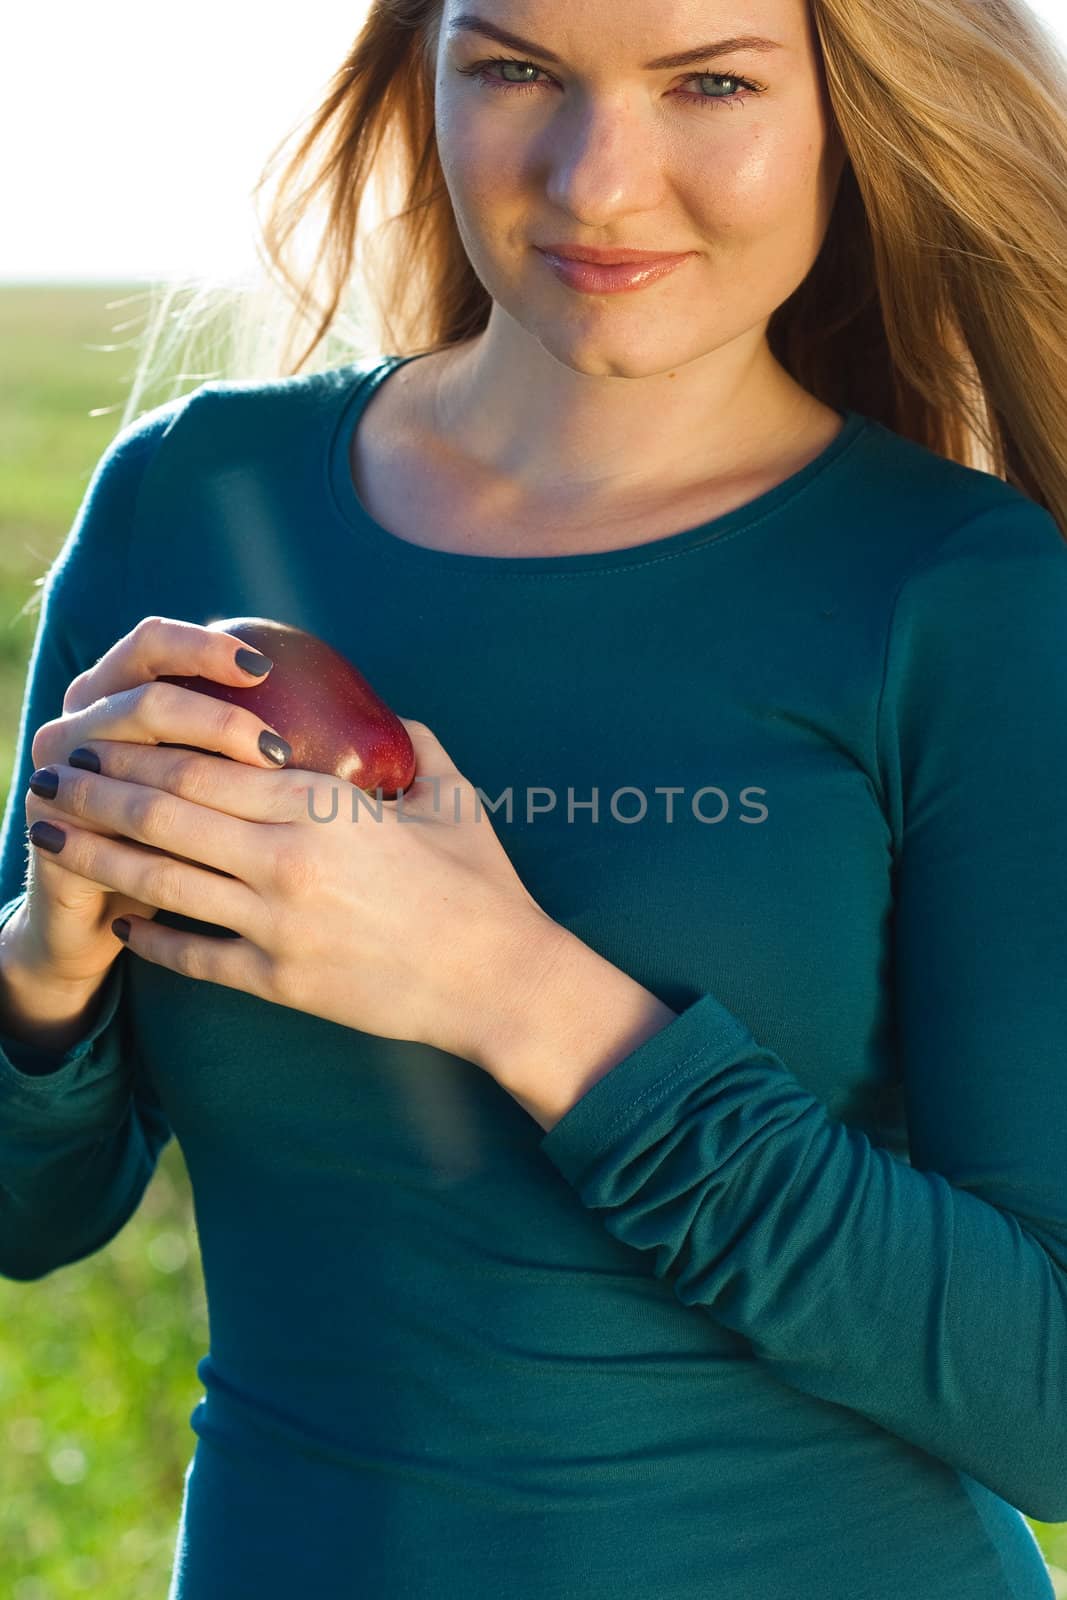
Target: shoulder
(100,530)
(224,420)
(974,674)
(931,510)
(123,461)
(148,459)
(979,564)
(308,394)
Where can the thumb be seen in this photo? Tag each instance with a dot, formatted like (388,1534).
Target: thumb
(436,777)
(432,758)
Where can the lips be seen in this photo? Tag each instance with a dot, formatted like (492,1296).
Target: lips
(609,257)
(600,278)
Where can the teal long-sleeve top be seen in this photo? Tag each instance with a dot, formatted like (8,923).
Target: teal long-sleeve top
(779,1305)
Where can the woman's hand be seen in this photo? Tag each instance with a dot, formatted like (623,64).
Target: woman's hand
(64,931)
(399,918)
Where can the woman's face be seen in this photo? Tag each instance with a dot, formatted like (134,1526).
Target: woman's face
(573,138)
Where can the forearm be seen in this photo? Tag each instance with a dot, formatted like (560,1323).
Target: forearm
(79,1137)
(553,1039)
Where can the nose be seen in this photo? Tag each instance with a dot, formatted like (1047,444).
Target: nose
(603,160)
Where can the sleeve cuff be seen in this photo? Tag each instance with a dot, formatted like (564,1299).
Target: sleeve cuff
(703,1037)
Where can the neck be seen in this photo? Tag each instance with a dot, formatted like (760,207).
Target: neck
(514,411)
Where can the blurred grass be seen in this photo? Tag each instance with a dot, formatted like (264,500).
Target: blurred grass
(98,1360)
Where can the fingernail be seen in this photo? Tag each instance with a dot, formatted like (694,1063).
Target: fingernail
(87,759)
(47,836)
(45,782)
(251,661)
(121,928)
(274,749)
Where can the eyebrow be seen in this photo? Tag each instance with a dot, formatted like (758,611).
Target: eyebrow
(469,22)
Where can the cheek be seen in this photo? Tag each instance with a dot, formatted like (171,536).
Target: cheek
(491,205)
(469,153)
(759,184)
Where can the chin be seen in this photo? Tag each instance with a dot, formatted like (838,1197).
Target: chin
(643,352)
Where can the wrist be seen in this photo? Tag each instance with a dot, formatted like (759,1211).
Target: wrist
(36,1006)
(518,967)
(562,1025)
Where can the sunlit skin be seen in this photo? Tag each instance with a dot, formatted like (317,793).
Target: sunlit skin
(600,400)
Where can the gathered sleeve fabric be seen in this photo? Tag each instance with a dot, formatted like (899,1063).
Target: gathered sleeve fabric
(81,1129)
(932,1297)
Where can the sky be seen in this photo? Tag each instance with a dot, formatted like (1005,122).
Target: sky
(132,135)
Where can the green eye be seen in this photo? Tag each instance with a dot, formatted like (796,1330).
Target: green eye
(480,71)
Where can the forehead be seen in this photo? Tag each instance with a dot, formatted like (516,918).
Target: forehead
(634,32)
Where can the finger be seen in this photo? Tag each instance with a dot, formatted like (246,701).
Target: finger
(162,713)
(152,876)
(158,817)
(42,810)
(66,892)
(233,963)
(159,645)
(202,779)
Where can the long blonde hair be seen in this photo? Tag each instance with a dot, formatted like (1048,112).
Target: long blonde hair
(937,304)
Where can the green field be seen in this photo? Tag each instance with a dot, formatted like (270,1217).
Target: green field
(98,1361)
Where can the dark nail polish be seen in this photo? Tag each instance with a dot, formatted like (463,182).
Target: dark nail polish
(274,749)
(46,836)
(251,661)
(121,929)
(45,782)
(86,759)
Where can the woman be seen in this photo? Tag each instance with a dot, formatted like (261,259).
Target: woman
(656,1189)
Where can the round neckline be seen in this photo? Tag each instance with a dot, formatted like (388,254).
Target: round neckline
(372,533)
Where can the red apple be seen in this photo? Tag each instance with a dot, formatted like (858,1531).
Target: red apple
(320,704)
